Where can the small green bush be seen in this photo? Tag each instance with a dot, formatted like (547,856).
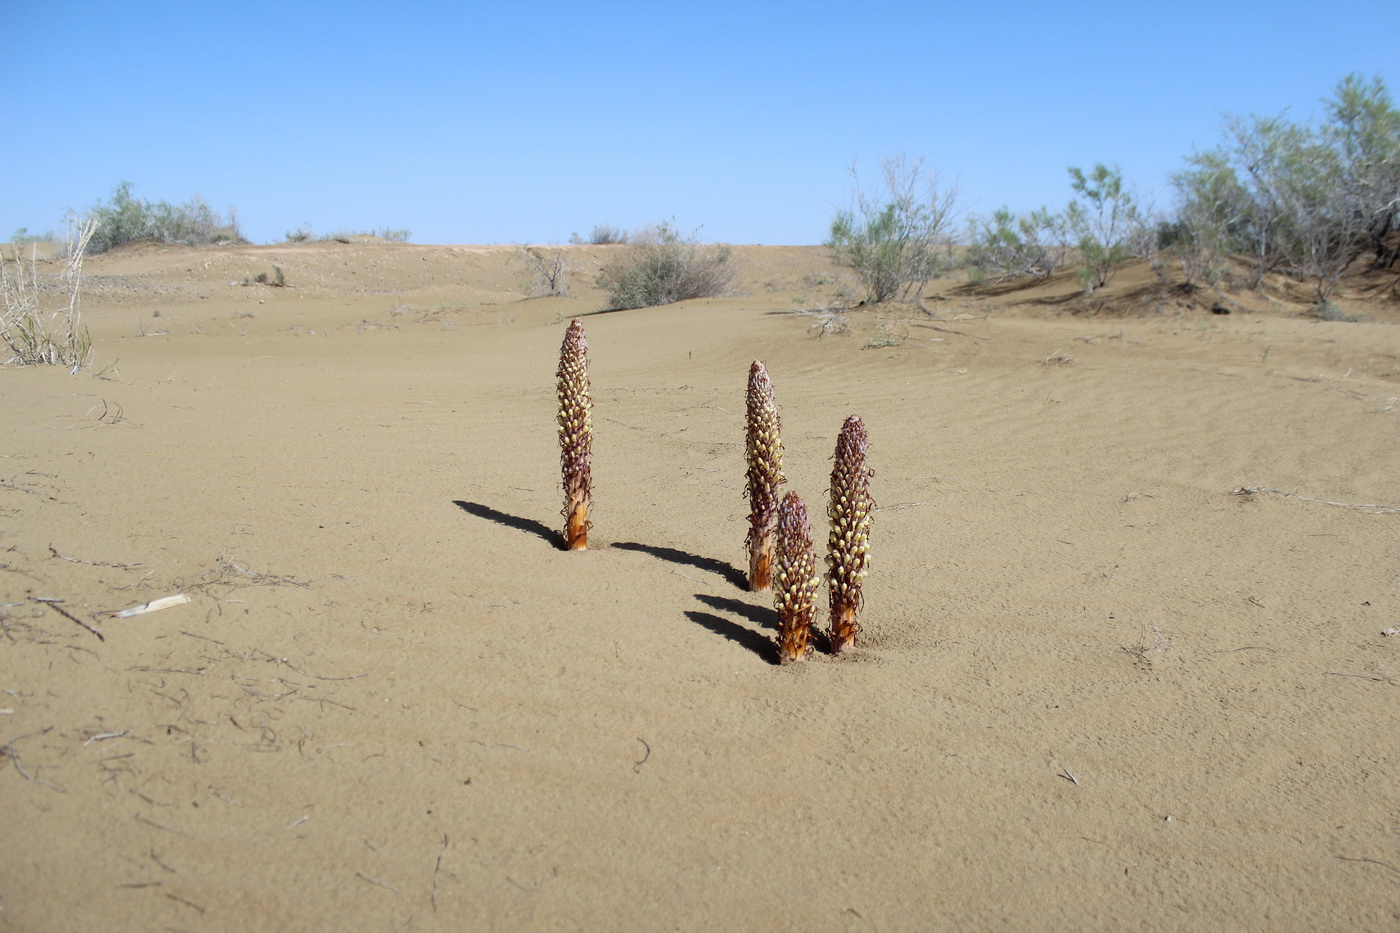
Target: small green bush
(1009,246)
(894,238)
(1102,223)
(125,218)
(22,237)
(662,267)
(602,235)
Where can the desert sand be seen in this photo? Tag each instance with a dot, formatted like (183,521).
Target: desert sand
(1123,663)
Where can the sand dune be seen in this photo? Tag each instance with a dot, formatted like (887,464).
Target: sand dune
(1099,686)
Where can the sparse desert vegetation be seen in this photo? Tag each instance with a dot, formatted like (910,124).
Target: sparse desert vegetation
(123,218)
(34,329)
(287,637)
(660,266)
(896,237)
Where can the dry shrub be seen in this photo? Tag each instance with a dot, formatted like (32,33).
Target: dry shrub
(661,267)
(33,335)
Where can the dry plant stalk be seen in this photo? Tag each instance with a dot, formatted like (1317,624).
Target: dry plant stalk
(763,449)
(796,580)
(575,435)
(33,336)
(848,547)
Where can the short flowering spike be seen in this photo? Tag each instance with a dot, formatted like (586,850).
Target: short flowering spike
(848,548)
(795,580)
(575,435)
(763,449)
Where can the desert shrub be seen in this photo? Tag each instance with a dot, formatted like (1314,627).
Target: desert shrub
(343,235)
(1325,310)
(660,266)
(125,218)
(31,334)
(1008,246)
(22,237)
(894,237)
(276,280)
(1304,200)
(602,235)
(1101,224)
(548,271)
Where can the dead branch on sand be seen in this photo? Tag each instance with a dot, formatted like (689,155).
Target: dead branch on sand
(1365,507)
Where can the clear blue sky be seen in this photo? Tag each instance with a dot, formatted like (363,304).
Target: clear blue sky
(523,122)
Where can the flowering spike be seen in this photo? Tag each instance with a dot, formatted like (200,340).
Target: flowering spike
(848,547)
(575,436)
(795,580)
(763,450)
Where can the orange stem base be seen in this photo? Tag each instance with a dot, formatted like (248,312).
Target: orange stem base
(576,533)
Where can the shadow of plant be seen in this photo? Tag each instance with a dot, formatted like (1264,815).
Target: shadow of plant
(538,529)
(758,644)
(676,556)
(762,616)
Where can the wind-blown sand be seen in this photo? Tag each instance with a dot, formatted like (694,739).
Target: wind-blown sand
(1098,688)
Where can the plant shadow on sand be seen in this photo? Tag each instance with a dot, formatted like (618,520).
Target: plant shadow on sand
(512,521)
(762,616)
(676,556)
(758,644)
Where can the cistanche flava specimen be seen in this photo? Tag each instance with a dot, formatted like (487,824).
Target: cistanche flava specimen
(795,579)
(763,449)
(848,547)
(575,436)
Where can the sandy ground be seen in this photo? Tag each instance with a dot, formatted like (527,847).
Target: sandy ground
(1098,688)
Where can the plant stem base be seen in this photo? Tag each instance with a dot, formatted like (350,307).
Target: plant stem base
(576,533)
(760,569)
(843,629)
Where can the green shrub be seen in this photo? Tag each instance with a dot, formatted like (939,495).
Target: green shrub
(661,267)
(894,239)
(1305,200)
(602,235)
(22,237)
(125,218)
(1008,246)
(1102,223)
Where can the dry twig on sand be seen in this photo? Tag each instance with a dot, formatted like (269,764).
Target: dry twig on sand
(1364,507)
(53,604)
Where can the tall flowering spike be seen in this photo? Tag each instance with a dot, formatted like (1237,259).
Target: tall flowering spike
(795,580)
(575,435)
(848,548)
(763,449)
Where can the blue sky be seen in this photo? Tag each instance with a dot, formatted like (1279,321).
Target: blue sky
(524,122)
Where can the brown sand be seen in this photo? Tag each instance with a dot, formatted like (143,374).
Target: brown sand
(1096,689)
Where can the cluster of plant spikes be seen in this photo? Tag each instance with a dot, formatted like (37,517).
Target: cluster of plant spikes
(779,540)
